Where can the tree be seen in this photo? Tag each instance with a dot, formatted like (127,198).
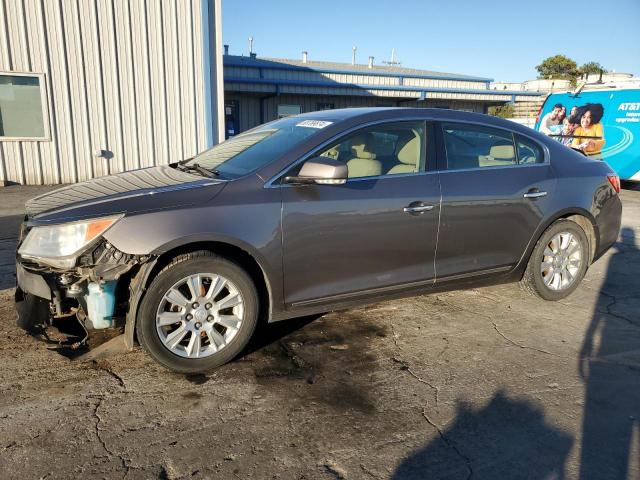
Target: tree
(591,67)
(558,66)
(502,111)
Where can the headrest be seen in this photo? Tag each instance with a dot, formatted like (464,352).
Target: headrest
(360,153)
(358,145)
(502,152)
(410,151)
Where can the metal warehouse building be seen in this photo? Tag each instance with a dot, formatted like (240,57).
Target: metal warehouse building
(89,88)
(258,90)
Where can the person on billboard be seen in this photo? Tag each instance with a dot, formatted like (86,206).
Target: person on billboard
(563,115)
(551,119)
(568,129)
(589,136)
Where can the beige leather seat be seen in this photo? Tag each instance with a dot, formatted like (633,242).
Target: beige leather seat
(408,156)
(498,155)
(363,163)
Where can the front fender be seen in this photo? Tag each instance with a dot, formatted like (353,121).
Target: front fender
(249,222)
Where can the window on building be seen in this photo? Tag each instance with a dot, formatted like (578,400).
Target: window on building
(21,106)
(288,110)
(325,106)
(473,146)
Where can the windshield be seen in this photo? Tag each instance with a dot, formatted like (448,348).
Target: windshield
(257,147)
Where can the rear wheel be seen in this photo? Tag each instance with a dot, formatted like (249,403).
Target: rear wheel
(198,313)
(558,262)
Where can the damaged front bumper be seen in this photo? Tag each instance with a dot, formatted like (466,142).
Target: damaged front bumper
(102,291)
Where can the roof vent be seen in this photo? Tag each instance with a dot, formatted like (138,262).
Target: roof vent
(305,57)
(226,49)
(370,61)
(252,54)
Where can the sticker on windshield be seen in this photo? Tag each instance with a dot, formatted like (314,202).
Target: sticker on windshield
(314,124)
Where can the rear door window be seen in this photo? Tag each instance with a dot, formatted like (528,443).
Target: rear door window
(528,151)
(476,146)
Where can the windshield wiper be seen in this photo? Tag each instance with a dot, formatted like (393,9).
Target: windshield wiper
(205,172)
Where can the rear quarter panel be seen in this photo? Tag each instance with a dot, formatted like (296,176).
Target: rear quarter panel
(583,189)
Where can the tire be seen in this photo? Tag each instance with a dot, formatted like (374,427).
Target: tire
(200,348)
(539,280)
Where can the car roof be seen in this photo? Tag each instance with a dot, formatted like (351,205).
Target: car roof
(367,114)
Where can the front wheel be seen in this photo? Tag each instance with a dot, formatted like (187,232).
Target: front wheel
(558,262)
(198,313)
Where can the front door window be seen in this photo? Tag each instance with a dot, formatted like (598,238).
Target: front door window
(384,150)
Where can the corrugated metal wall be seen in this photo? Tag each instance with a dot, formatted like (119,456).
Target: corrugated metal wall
(123,76)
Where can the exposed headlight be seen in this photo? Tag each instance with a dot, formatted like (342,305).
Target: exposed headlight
(59,245)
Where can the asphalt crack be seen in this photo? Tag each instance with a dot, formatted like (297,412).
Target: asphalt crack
(368,471)
(519,345)
(512,342)
(105,367)
(405,366)
(614,301)
(110,453)
(448,443)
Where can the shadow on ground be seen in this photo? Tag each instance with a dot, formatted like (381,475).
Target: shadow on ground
(510,438)
(507,438)
(611,369)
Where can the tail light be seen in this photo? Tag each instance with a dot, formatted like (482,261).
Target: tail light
(614,180)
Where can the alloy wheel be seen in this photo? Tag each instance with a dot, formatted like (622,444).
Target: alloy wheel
(562,260)
(199,315)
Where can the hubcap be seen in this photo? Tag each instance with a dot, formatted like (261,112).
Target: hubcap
(562,260)
(199,315)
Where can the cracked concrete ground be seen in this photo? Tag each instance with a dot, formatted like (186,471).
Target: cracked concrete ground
(484,383)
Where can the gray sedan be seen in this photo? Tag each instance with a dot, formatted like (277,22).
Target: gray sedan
(309,214)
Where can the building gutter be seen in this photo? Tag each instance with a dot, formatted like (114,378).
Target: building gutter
(213,71)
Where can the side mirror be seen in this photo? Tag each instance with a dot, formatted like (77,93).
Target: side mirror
(320,171)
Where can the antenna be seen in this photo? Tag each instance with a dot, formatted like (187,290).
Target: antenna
(250,45)
(393,62)
(353,55)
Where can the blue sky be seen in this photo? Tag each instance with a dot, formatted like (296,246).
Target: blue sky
(499,39)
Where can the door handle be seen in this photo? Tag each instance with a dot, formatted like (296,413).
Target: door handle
(535,193)
(417,208)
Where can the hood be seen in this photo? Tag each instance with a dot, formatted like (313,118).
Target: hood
(122,193)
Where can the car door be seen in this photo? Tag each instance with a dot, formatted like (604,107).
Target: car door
(376,231)
(496,188)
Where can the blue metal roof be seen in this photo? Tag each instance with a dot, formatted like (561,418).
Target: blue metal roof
(342,68)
